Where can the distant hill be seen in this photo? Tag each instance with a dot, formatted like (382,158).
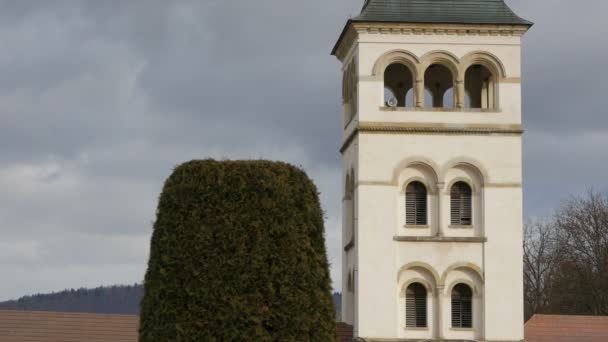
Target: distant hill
(120,299)
(338,305)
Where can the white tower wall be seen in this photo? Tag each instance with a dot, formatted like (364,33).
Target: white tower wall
(386,148)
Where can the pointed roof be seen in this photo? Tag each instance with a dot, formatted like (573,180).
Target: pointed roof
(479,12)
(440,11)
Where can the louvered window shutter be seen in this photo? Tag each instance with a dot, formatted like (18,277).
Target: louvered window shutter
(415,204)
(461,203)
(415,306)
(462,307)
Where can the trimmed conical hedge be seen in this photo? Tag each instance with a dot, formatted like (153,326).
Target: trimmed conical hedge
(238,254)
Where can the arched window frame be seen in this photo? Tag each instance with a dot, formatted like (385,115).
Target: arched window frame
(461,204)
(406,84)
(495,68)
(485,97)
(437,94)
(399,57)
(416,311)
(445,60)
(462,306)
(416,204)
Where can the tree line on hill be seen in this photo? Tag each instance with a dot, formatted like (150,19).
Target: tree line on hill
(118,299)
(566,259)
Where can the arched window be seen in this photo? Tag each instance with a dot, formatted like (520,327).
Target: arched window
(462,306)
(415,204)
(480,84)
(349,91)
(438,80)
(398,81)
(352,205)
(461,204)
(415,306)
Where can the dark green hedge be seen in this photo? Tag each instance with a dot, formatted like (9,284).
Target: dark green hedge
(238,254)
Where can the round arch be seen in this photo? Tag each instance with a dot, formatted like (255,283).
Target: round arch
(397,56)
(422,265)
(488,60)
(467,181)
(444,58)
(463,265)
(470,284)
(412,161)
(420,180)
(423,282)
(469,162)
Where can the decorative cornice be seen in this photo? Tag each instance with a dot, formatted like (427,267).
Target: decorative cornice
(441,29)
(353,29)
(439,239)
(430,129)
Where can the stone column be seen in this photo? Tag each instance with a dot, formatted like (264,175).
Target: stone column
(439,312)
(439,208)
(419,93)
(460,93)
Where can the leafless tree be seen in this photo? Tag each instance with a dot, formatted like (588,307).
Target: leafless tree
(566,259)
(581,226)
(540,264)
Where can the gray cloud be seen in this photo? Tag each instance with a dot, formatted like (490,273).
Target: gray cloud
(99,100)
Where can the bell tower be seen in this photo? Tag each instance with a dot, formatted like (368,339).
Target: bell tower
(432,166)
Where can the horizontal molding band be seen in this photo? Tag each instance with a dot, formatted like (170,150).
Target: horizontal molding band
(439,239)
(352,33)
(430,129)
(373,127)
(391,183)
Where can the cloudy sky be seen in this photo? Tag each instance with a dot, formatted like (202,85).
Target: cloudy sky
(99,100)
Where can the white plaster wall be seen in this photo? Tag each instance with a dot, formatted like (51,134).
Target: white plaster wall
(349,257)
(383,165)
(498,218)
(504,264)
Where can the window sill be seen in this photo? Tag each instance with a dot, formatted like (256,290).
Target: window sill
(438,239)
(416,226)
(442,109)
(416,329)
(456,226)
(462,329)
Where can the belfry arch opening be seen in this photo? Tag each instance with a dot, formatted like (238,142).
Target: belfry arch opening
(398,81)
(438,80)
(480,88)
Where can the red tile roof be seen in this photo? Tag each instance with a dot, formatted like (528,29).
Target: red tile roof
(28,326)
(549,328)
(33,326)
(344,332)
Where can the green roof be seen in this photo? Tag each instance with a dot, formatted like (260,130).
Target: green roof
(491,12)
(440,11)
